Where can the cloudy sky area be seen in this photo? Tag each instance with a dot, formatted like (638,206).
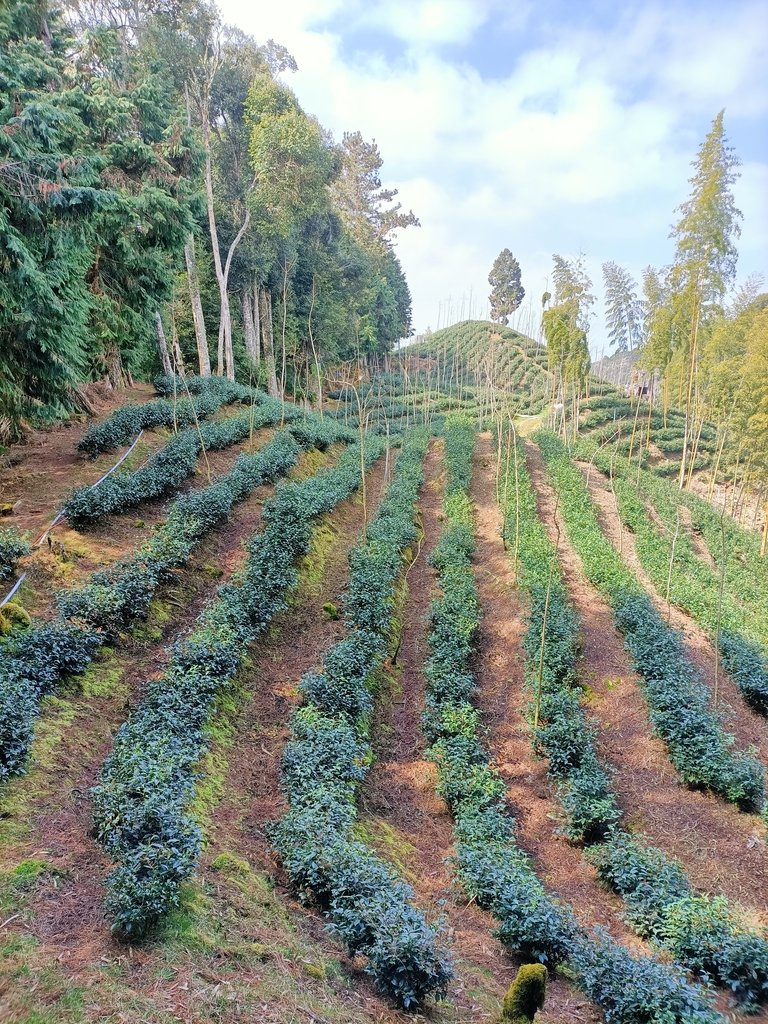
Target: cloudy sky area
(563,127)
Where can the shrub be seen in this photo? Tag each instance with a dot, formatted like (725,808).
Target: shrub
(525,996)
(142,801)
(327,759)
(13,546)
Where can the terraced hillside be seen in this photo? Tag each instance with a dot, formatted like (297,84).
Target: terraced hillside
(347,718)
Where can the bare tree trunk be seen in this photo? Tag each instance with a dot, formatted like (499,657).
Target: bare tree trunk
(113,364)
(265,302)
(162,344)
(193,281)
(249,329)
(314,352)
(256,321)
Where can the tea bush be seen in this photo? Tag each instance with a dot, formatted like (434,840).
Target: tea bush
(493,871)
(13,546)
(114,598)
(327,760)
(142,815)
(166,470)
(125,423)
(702,752)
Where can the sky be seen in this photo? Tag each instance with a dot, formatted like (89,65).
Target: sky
(563,127)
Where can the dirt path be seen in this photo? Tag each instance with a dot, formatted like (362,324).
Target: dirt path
(503,699)
(749,728)
(720,847)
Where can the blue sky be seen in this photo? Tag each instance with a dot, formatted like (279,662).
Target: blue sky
(562,127)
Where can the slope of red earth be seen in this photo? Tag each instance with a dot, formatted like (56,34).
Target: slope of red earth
(721,848)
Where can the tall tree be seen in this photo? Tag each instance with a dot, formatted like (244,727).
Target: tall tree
(507,291)
(624,313)
(705,258)
(94,204)
(565,323)
(359,197)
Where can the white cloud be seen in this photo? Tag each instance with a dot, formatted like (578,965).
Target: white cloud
(584,143)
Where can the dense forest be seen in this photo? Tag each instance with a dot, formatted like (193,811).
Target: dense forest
(167,204)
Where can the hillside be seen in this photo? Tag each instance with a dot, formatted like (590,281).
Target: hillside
(276,673)
(479,353)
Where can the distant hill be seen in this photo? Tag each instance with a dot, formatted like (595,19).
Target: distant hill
(479,352)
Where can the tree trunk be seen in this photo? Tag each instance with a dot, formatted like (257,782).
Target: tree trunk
(265,302)
(193,281)
(113,364)
(162,344)
(256,319)
(249,328)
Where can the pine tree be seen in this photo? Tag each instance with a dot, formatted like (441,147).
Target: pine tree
(507,291)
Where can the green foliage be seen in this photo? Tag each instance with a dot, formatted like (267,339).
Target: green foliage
(142,803)
(703,933)
(116,597)
(623,310)
(563,735)
(328,757)
(492,870)
(702,752)
(177,460)
(13,546)
(94,199)
(507,291)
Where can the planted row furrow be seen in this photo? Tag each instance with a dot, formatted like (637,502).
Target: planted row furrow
(142,803)
(327,760)
(726,603)
(705,934)
(35,660)
(492,869)
(176,461)
(699,747)
(125,423)
(672,566)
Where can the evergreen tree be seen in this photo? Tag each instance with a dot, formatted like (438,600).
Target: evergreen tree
(507,291)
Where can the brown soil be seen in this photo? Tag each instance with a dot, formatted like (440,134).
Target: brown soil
(721,849)
(69,913)
(252,796)
(504,698)
(37,474)
(402,813)
(748,727)
(102,543)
